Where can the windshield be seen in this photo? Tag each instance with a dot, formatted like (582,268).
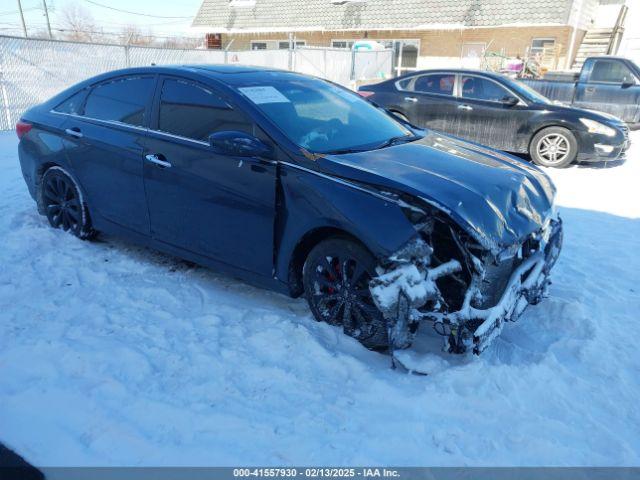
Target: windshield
(529,93)
(323,118)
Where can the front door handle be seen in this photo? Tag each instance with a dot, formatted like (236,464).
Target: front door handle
(468,108)
(155,159)
(74,132)
(590,89)
(410,99)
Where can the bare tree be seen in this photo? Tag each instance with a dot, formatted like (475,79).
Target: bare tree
(132,35)
(77,23)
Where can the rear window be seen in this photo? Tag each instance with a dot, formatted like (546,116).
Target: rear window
(123,100)
(611,72)
(441,84)
(73,104)
(195,112)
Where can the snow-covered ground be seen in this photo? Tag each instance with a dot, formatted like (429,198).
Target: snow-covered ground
(115,355)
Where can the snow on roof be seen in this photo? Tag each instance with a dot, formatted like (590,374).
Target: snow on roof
(319,15)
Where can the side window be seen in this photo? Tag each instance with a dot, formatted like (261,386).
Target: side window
(440,83)
(122,100)
(612,72)
(192,111)
(73,104)
(477,88)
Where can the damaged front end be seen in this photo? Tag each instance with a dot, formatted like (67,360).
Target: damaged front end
(467,291)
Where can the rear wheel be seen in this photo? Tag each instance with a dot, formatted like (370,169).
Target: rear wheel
(63,204)
(336,279)
(554,147)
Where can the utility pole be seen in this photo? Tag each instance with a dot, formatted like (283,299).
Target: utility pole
(46,14)
(24,25)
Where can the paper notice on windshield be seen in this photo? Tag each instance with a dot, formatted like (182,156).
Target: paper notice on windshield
(265,94)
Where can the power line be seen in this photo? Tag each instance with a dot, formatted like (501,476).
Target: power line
(130,12)
(15,12)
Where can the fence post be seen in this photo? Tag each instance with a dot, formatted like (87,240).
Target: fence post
(4,99)
(352,76)
(126,56)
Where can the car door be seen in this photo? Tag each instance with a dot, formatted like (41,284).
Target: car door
(484,115)
(104,147)
(611,87)
(429,100)
(215,205)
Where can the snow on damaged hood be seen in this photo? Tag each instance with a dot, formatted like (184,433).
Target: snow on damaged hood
(497,198)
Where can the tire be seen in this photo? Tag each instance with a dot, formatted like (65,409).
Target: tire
(553,147)
(336,279)
(64,205)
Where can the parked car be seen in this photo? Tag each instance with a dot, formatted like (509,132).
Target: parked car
(502,113)
(298,185)
(607,84)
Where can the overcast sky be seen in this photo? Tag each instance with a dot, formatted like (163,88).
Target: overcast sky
(108,19)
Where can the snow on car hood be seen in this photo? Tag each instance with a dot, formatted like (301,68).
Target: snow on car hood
(497,198)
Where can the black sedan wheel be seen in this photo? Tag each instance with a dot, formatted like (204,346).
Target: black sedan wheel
(554,147)
(336,281)
(63,204)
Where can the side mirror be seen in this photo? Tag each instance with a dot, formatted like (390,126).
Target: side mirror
(628,83)
(238,144)
(509,101)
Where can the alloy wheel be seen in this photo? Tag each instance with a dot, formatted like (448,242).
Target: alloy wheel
(341,296)
(553,148)
(62,204)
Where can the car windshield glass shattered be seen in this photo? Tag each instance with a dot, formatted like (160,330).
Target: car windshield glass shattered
(324,118)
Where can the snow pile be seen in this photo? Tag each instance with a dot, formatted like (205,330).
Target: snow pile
(115,355)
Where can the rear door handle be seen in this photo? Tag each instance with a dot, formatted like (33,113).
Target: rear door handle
(74,132)
(468,108)
(410,99)
(155,159)
(590,89)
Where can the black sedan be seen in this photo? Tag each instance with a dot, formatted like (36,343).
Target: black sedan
(496,111)
(298,185)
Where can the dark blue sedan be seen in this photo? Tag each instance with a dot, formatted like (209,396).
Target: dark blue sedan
(298,185)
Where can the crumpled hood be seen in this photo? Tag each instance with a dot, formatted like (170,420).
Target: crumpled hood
(499,199)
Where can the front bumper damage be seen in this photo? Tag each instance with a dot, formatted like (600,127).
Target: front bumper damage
(409,290)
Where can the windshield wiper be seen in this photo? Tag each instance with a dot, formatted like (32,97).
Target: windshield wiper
(396,140)
(345,150)
(387,143)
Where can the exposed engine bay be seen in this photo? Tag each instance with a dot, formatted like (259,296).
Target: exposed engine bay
(467,292)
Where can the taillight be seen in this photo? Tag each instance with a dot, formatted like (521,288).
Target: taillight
(365,94)
(22,128)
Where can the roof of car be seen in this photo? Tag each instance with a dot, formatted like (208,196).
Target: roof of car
(486,73)
(229,68)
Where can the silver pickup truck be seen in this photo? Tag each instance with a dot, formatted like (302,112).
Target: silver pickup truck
(608,84)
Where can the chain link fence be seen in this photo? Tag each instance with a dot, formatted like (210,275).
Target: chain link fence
(33,70)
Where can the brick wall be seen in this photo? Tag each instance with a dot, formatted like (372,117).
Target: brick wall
(436,46)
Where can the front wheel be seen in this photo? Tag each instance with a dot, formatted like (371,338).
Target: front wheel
(336,279)
(63,204)
(554,147)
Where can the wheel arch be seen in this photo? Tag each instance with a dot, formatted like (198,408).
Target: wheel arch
(557,123)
